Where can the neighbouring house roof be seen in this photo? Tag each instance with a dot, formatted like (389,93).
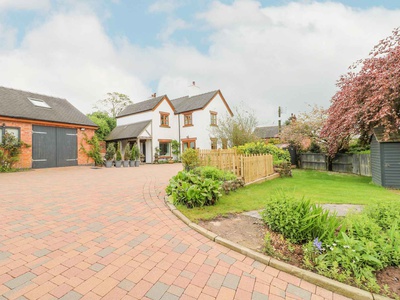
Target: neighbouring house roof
(127,131)
(141,106)
(186,103)
(380,136)
(267,132)
(26,105)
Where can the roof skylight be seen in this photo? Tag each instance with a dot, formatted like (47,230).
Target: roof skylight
(39,102)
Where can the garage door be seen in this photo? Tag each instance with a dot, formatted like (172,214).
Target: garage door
(54,147)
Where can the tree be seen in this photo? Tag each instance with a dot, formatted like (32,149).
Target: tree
(237,130)
(104,121)
(304,131)
(113,104)
(368,96)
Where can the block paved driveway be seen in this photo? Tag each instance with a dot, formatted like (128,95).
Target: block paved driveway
(83,233)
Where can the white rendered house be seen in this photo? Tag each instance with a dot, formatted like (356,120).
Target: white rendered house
(158,121)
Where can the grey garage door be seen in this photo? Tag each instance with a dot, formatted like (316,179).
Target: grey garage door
(54,147)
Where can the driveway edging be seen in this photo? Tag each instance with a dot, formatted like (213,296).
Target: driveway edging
(319,280)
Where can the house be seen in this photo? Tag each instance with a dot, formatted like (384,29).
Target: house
(156,122)
(267,132)
(385,158)
(52,127)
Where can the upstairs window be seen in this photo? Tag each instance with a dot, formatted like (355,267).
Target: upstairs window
(213,117)
(39,102)
(188,121)
(164,119)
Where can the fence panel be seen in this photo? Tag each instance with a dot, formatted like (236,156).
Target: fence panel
(250,168)
(343,163)
(313,161)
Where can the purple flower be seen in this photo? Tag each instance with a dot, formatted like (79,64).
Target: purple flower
(317,244)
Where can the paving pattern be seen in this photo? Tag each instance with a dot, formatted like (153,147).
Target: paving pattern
(84,233)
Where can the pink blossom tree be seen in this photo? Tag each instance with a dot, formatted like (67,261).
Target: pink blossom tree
(368,96)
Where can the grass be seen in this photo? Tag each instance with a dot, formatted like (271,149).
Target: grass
(318,186)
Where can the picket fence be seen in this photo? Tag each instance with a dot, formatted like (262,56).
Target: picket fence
(249,167)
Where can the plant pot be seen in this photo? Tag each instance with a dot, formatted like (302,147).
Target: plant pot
(126,163)
(109,163)
(118,163)
(131,163)
(137,163)
(170,161)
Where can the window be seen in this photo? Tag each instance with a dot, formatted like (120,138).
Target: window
(213,116)
(224,143)
(39,102)
(188,143)
(11,130)
(214,143)
(164,119)
(165,148)
(188,120)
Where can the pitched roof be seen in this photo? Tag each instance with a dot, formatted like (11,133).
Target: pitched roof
(141,106)
(380,136)
(127,131)
(267,132)
(16,104)
(186,103)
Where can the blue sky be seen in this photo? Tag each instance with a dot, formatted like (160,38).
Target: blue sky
(261,54)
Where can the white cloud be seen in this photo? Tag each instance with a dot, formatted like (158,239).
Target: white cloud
(69,56)
(172,26)
(25,4)
(166,6)
(288,55)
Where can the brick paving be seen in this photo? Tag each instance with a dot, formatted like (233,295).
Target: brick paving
(84,233)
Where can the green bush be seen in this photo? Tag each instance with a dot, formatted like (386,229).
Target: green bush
(278,154)
(214,173)
(192,190)
(110,152)
(299,220)
(190,159)
(94,151)
(10,149)
(371,243)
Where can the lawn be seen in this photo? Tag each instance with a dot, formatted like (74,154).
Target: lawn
(318,186)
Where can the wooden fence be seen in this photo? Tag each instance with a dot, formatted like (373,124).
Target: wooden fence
(359,164)
(250,168)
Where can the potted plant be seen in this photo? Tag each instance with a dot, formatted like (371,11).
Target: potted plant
(135,156)
(127,155)
(110,152)
(156,154)
(118,158)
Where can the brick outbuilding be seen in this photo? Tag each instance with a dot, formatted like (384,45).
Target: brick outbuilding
(53,128)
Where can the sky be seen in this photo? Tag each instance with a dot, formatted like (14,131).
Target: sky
(261,54)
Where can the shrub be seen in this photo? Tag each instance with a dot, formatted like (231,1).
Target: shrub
(135,152)
(110,152)
(10,149)
(190,159)
(192,190)
(384,214)
(118,156)
(127,152)
(214,173)
(299,220)
(278,154)
(94,151)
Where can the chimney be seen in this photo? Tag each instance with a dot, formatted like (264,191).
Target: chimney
(193,89)
(154,95)
(194,82)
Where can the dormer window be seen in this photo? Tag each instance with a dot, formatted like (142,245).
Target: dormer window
(39,102)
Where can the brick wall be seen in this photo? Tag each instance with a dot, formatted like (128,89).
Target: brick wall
(25,159)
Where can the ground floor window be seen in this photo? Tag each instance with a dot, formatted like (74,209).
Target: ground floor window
(165,148)
(188,143)
(224,143)
(15,131)
(214,143)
